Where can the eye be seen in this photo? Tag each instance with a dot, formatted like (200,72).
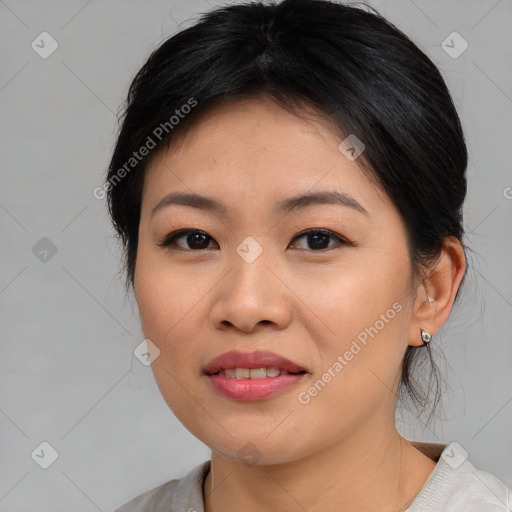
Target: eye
(318,238)
(196,240)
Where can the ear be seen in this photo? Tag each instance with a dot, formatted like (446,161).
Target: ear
(441,285)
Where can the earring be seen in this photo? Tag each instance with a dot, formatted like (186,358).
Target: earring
(430,299)
(426,337)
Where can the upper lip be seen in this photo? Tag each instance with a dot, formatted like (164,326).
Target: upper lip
(257,359)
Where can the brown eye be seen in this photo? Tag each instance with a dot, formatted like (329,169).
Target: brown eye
(196,240)
(318,239)
(193,239)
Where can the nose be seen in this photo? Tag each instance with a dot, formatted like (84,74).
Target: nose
(253,295)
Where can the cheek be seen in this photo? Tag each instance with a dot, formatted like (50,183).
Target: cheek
(363,334)
(168,303)
(359,367)
(353,296)
(166,295)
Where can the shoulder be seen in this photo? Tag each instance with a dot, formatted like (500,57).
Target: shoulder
(158,498)
(179,494)
(457,485)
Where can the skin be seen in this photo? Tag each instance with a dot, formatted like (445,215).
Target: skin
(305,303)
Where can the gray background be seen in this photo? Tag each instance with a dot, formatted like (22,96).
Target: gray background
(68,375)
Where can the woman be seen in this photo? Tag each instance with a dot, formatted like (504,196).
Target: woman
(288,185)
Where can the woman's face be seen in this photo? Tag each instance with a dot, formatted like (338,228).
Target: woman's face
(251,280)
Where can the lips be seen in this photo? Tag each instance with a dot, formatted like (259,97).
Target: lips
(253,376)
(258,359)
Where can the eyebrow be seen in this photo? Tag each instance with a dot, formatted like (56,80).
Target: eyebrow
(288,205)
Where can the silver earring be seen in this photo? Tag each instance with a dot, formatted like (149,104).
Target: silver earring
(426,337)
(430,299)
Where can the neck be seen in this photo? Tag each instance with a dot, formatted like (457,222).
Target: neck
(369,470)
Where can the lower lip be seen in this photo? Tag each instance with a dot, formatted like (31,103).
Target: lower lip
(251,390)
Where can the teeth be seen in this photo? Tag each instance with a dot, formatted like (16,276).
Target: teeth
(273,372)
(252,373)
(242,373)
(257,373)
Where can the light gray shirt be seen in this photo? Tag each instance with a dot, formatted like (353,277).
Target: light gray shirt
(455,485)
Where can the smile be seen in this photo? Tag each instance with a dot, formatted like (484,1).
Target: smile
(253,373)
(252,376)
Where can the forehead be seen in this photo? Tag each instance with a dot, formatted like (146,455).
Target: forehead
(255,150)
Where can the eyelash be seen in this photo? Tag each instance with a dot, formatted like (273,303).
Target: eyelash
(172,237)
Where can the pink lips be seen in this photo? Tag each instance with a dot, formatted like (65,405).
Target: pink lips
(257,359)
(252,389)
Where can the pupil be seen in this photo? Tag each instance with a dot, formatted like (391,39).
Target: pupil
(200,238)
(321,235)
